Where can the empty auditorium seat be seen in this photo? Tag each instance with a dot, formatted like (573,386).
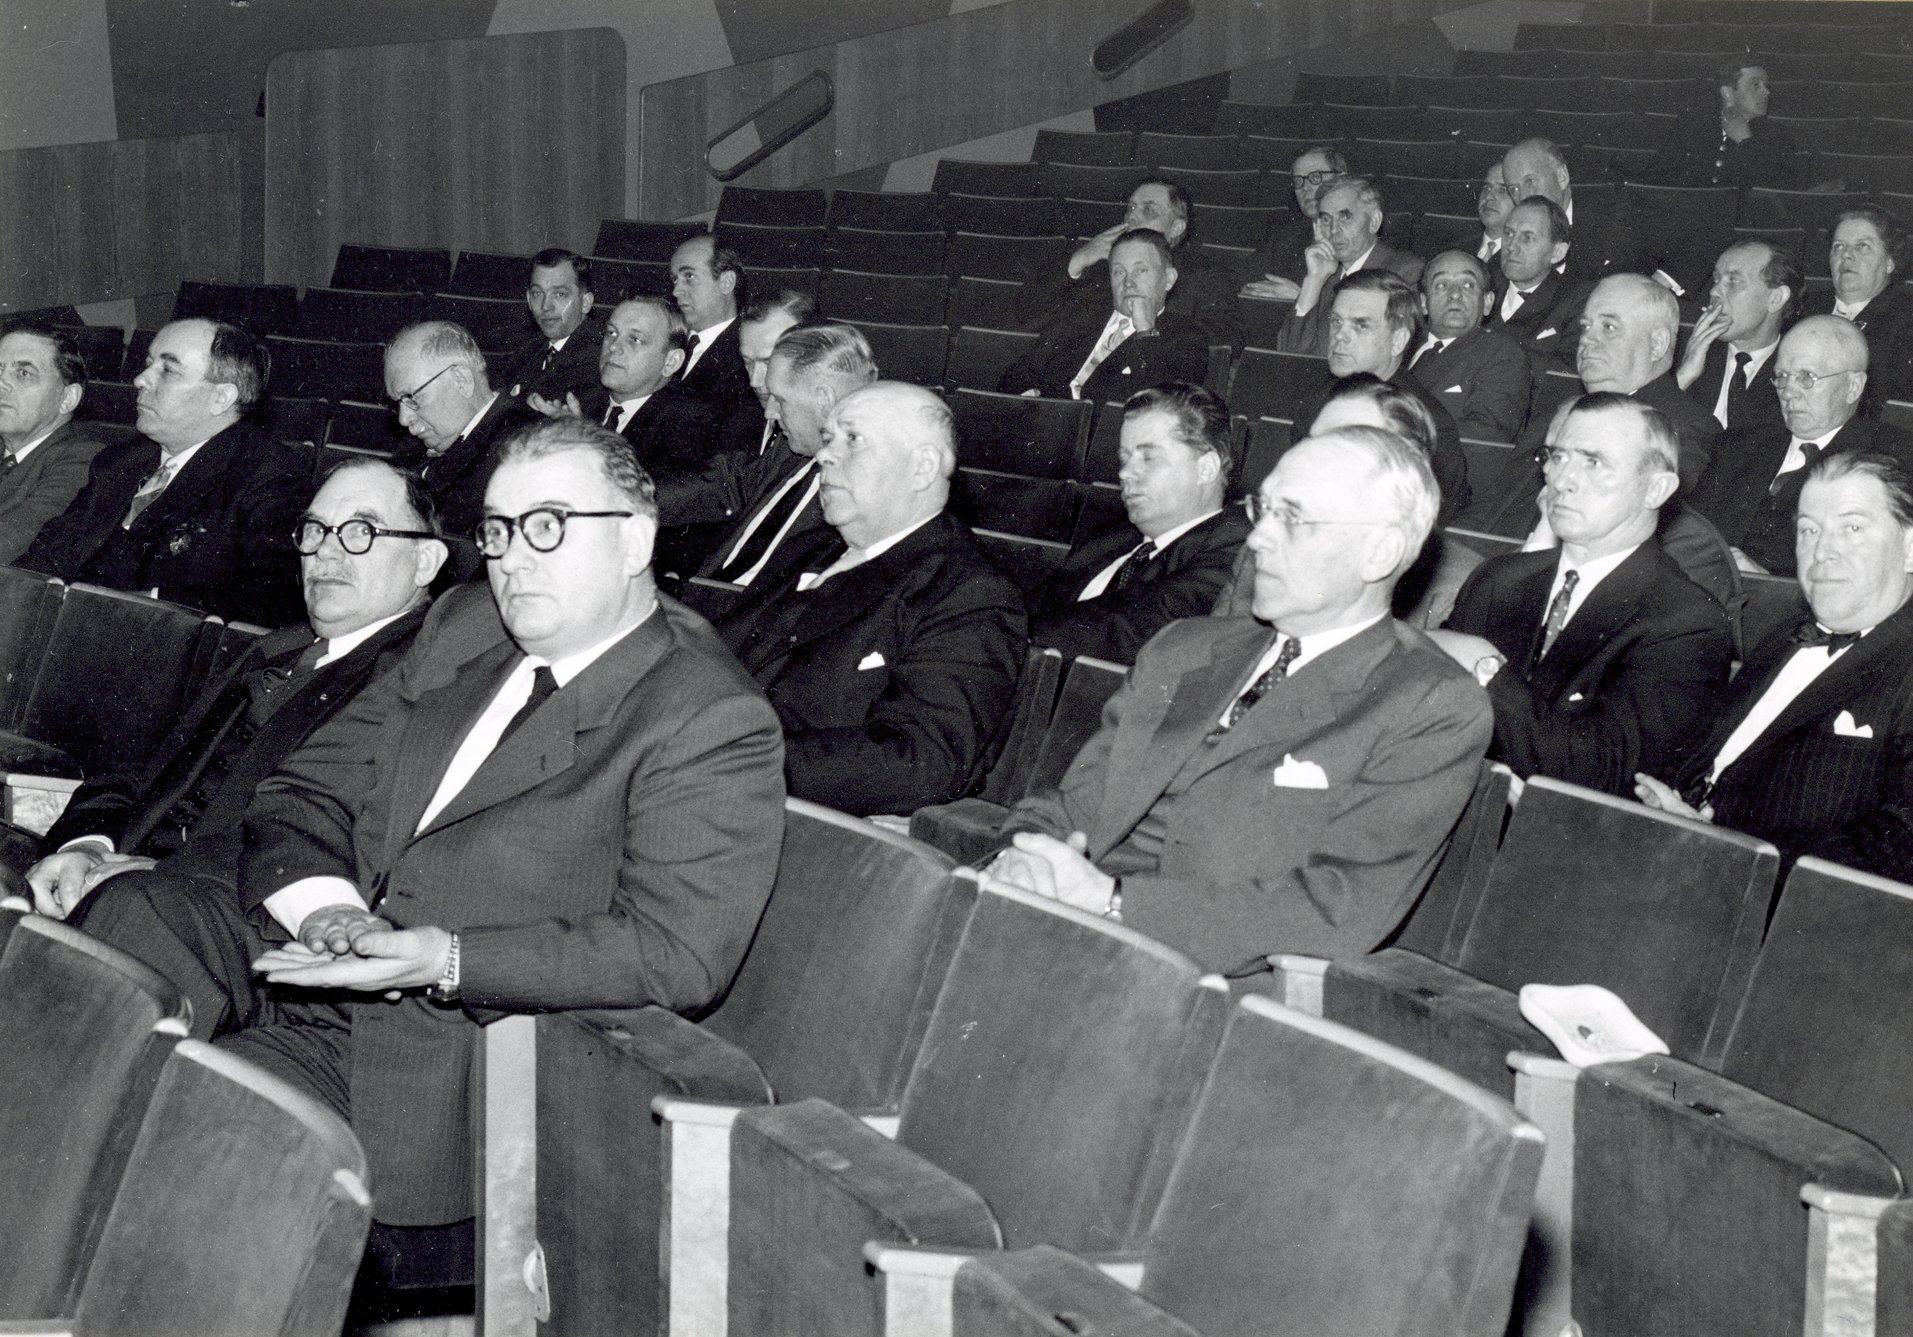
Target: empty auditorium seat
(29,605)
(1430,90)
(974,300)
(913,353)
(1041,438)
(1269,384)
(1404,157)
(1039,508)
(1002,215)
(954,176)
(1435,233)
(1085,218)
(802,207)
(102,347)
(995,1145)
(848,294)
(1688,1177)
(1586,889)
(291,419)
(1214,153)
(478,274)
(1029,718)
(1353,89)
(324,369)
(1025,562)
(1284,120)
(1329,1184)
(980,356)
(1110,148)
(880,252)
(1079,181)
(1438,925)
(1868,171)
(367,427)
(1264,443)
(1240,189)
(831,1002)
(770,278)
(1492,125)
(109,401)
(773,246)
(1271,153)
(84,1029)
(390,269)
(1338,122)
(496,322)
(896,211)
(637,239)
(340,316)
(616,279)
(1233,226)
(260,309)
(1814,210)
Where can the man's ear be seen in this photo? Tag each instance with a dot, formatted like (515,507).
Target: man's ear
(1777,299)
(1170,276)
(1661,490)
(1660,344)
(1856,386)
(585,303)
(727,282)
(70,398)
(1398,340)
(432,554)
(674,361)
(641,539)
(1385,553)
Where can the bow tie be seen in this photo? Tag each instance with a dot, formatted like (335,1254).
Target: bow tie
(1812,633)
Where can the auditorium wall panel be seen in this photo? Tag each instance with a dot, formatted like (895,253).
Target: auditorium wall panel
(492,144)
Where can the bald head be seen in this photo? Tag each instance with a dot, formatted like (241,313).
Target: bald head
(1831,352)
(1628,330)
(888,453)
(1536,167)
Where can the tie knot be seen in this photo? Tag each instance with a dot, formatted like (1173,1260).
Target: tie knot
(1812,633)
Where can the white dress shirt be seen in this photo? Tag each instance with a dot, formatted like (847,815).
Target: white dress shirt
(705,338)
(1100,581)
(1798,674)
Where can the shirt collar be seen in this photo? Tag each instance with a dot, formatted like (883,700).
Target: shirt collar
(1316,644)
(1360,260)
(1593,571)
(567,667)
(483,409)
(21,453)
(338,647)
(1169,536)
(710,332)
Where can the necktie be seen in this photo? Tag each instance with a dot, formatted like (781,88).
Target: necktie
(1126,574)
(610,413)
(542,686)
(1558,612)
(761,533)
(1812,633)
(551,351)
(1112,336)
(1291,648)
(690,351)
(7,461)
(1433,345)
(148,492)
(1740,369)
(1809,453)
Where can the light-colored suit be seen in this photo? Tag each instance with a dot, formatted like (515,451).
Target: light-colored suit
(615,851)
(1226,849)
(44,484)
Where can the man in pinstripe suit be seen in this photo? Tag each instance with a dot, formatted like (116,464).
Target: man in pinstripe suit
(1814,748)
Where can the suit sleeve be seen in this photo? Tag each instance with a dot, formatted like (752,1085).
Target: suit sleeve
(58,482)
(260,579)
(1114,625)
(1031,371)
(1498,409)
(703,826)
(929,734)
(718,491)
(1306,333)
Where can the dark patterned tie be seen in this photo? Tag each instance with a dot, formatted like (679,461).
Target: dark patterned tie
(1132,568)
(690,351)
(1809,452)
(1291,648)
(1558,612)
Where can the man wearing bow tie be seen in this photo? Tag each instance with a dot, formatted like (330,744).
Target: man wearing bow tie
(1280,783)
(1813,748)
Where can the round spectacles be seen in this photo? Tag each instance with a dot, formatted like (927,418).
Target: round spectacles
(1804,381)
(355,536)
(1310,178)
(1292,524)
(544,528)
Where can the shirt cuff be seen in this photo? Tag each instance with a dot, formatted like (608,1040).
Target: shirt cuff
(104,844)
(293,902)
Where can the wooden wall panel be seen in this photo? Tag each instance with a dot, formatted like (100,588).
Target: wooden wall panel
(101,221)
(495,144)
(914,90)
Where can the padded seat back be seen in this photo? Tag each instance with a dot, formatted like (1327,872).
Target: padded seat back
(1825,1026)
(258,308)
(1107,148)
(1088,684)
(483,274)
(979,357)
(1009,779)
(1438,924)
(803,207)
(897,211)
(344,316)
(83,1031)
(1592,889)
(243,1209)
(390,269)
(1060,1068)
(1343,1185)
(116,673)
(1040,438)
(29,605)
(635,239)
(837,987)
(914,353)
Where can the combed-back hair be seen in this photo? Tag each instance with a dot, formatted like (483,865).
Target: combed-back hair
(1407,482)
(1406,415)
(443,339)
(555,436)
(1404,302)
(1559,229)
(68,362)
(417,499)
(838,351)
(1147,236)
(553,256)
(799,306)
(1202,419)
(1663,442)
(239,360)
(1888,469)
(677,331)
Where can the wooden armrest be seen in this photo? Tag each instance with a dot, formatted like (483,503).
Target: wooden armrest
(1843,1260)
(1544,1092)
(694,1228)
(916,1285)
(1299,981)
(36,1327)
(513,1297)
(697,1113)
(1542,1067)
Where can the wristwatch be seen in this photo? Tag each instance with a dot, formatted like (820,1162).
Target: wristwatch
(1487,666)
(445,988)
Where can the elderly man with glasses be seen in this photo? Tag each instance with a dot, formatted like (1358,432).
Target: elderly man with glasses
(1751,489)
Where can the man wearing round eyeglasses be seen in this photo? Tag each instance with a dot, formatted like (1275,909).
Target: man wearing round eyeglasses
(368,555)
(1601,657)
(1281,782)
(569,796)
(1279,260)
(1820,376)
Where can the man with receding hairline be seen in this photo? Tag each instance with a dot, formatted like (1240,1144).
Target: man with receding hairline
(1605,240)
(707,282)
(892,662)
(1479,376)
(1281,783)
(562,359)
(1729,356)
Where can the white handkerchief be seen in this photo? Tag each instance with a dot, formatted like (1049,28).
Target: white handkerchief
(1588,1024)
(1293,774)
(1577,696)
(872,660)
(1845,727)
(1548,333)
(1454,390)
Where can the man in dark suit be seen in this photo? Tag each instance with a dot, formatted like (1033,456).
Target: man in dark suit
(563,359)
(893,665)
(1532,300)
(1106,355)
(750,426)
(436,375)
(1348,225)
(199,510)
(1205,292)
(566,796)
(1602,658)
(1372,324)
(1116,590)
(1863,256)
(641,399)
(769,502)
(1813,748)
(1280,260)
(707,282)
(179,810)
(1751,492)
(47,455)
(1605,239)
(1479,376)
(1756,288)
(1281,783)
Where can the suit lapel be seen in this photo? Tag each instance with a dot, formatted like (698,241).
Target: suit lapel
(851,594)
(200,475)
(1608,607)
(1853,673)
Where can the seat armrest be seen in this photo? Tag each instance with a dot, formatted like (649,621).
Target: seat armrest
(1544,1093)
(36,1327)
(1843,1260)
(693,1060)
(694,1228)
(1299,981)
(1022,1288)
(918,1283)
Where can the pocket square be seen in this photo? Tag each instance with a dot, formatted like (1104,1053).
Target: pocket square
(1845,727)
(872,660)
(1577,696)
(1293,774)
(1548,333)
(1454,390)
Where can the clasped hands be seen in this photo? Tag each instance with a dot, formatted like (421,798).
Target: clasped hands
(1060,870)
(345,947)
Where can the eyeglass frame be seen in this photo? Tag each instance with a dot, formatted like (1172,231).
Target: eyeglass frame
(409,400)
(1314,178)
(372,533)
(1252,507)
(516,525)
(1806,380)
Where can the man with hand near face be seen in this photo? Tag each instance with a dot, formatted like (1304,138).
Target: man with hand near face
(1601,656)
(47,454)
(1731,350)
(1348,225)
(1813,747)
(1479,376)
(1281,783)
(1106,355)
